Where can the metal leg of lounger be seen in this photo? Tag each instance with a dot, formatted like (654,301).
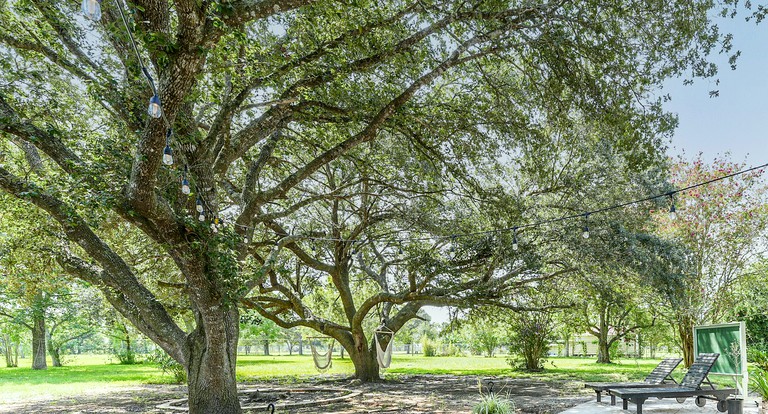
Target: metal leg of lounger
(624,405)
(613,399)
(599,396)
(639,402)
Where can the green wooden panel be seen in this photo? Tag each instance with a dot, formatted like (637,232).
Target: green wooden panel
(725,341)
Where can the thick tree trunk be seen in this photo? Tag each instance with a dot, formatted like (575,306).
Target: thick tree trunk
(603,349)
(38,342)
(366,366)
(363,358)
(266,347)
(567,346)
(212,357)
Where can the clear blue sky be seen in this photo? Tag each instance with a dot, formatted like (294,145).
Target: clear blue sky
(736,121)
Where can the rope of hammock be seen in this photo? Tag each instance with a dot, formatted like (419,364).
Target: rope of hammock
(323,362)
(384,356)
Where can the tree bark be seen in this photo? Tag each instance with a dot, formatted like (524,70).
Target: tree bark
(366,366)
(685,332)
(211,350)
(38,342)
(8,351)
(55,354)
(603,347)
(266,347)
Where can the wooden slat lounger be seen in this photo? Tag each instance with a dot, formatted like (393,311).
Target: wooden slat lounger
(658,376)
(690,386)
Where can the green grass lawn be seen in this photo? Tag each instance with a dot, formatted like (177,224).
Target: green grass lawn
(94,373)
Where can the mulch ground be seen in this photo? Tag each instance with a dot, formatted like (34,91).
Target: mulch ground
(405,394)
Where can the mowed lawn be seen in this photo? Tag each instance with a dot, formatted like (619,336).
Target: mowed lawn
(95,374)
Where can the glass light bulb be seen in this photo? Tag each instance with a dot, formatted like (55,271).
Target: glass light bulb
(672,212)
(245,240)
(201,217)
(514,246)
(199,206)
(155,110)
(185,186)
(168,155)
(586,233)
(92,9)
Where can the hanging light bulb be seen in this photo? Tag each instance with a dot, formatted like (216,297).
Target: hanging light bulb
(585,233)
(199,205)
(214,228)
(245,239)
(155,110)
(672,209)
(201,217)
(92,9)
(514,239)
(167,155)
(216,221)
(184,182)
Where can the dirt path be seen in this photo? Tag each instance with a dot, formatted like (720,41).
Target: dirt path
(406,394)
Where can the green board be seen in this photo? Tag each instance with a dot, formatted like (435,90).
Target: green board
(725,340)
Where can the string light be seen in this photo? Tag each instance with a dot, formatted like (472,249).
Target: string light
(585,233)
(92,9)
(672,209)
(514,239)
(155,110)
(199,205)
(201,217)
(185,183)
(168,152)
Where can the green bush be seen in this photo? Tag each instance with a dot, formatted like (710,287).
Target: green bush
(759,381)
(758,357)
(428,347)
(529,342)
(169,365)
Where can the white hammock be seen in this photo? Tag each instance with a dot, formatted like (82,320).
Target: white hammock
(384,356)
(323,362)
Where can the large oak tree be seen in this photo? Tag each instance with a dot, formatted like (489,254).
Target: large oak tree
(265,96)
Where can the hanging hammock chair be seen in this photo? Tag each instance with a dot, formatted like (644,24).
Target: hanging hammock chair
(323,362)
(384,356)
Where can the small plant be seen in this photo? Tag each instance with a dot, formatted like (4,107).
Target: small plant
(759,381)
(492,403)
(169,365)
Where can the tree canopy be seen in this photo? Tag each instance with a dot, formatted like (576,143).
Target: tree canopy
(318,133)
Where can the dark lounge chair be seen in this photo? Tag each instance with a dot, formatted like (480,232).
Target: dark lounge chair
(690,386)
(658,376)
